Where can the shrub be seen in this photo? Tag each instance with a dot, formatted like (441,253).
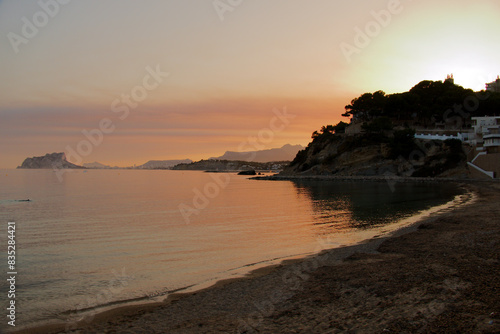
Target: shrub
(330,159)
(456,152)
(402,143)
(380,124)
(299,158)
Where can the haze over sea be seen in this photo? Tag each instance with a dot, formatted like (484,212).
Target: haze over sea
(101,238)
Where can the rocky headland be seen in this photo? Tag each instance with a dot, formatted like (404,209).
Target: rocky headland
(390,154)
(49,161)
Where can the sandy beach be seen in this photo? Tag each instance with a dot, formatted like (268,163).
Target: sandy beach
(438,276)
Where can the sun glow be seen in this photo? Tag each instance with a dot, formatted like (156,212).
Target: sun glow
(225,76)
(474,78)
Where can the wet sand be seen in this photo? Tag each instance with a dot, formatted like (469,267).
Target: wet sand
(438,276)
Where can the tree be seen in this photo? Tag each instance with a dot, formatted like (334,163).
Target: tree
(340,127)
(327,129)
(489,104)
(330,130)
(436,98)
(367,106)
(402,143)
(378,125)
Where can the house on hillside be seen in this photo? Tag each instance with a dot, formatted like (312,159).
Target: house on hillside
(450,79)
(494,86)
(486,141)
(486,132)
(484,138)
(482,134)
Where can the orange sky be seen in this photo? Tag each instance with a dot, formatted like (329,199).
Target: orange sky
(66,67)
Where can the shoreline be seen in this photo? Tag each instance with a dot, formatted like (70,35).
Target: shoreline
(278,177)
(328,257)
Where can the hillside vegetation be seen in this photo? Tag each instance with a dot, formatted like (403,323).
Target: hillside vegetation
(427,104)
(386,144)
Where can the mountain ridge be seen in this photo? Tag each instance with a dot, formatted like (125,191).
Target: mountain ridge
(163,164)
(285,153)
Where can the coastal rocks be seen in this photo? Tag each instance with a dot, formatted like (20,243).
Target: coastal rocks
(375,155)
(231,166)
(247,172)
(49,160)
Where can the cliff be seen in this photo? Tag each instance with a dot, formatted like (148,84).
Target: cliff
(49,160)
(372,154)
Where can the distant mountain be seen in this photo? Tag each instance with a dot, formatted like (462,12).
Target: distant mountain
(96,165)
(285,153)
(163,164)
(49,160)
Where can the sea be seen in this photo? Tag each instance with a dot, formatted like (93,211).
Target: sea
(97,239)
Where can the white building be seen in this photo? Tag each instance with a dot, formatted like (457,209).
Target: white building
(465,137)
(492,143)
(486,133)
(449,78)
(487,144)
(485,138)
(494,86)
(484,125)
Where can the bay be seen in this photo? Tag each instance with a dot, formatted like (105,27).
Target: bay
(101,238)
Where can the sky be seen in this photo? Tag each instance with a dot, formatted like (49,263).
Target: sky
(122,82)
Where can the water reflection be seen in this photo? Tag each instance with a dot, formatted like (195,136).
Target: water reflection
(361,205)
(76,231)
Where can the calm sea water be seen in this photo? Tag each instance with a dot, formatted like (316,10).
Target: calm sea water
(103,237)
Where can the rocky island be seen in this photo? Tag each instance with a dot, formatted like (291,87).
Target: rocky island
(49,160)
